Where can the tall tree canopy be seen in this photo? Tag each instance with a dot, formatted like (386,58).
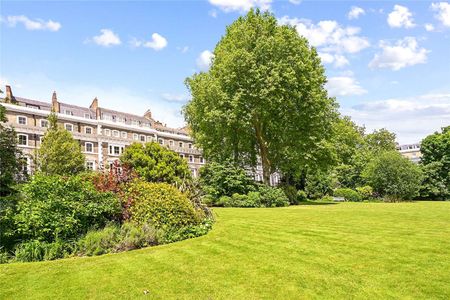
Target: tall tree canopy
(262,99)
(60,153)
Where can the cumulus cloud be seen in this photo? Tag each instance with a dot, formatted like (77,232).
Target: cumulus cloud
(29,24)
(410,118)
(405,52)
(175,97)
(400,17)
(241,5)
(355,12)
(337,60)
(345,85)
(106,38)
(295,2)
(157,42)
(442,10)
(429,27)
(204,60)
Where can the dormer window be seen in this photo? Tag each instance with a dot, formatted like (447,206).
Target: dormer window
(68,112)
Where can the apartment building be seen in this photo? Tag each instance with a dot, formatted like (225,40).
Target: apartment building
(410,151)
(103,133)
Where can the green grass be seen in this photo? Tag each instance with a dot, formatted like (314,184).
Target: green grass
(358,250)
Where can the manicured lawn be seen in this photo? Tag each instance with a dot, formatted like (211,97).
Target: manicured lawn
(360,250)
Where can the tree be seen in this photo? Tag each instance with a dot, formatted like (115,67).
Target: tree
(435,159)
(380,140)
(263,99)
(155,163)
(10,156)
(60,153)
(393,176)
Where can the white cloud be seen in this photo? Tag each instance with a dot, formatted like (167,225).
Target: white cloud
(404,53)
(410,118)
(329,35)
(183,49)
(295,2)
(241,5)
(337,60)
(213,13)
(400,17)
(29,24)
(175,97)
(158,42)
(429,27)
(107,38)
(344,86)
(355,12)
(443,12)
(204,60)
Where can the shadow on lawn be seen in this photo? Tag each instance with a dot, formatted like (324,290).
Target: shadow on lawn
(316,203)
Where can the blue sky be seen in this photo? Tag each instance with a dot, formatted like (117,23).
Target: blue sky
(388,62)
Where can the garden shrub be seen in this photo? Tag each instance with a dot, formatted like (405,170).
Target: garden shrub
(272,197)
(224,201)
(185,232)
(291,193)
(161,205)
(327,198)
(135,237)
(301,196)
(8,208)
(348,194)
(35,250)
(97,242)
(55,207)
(365,192)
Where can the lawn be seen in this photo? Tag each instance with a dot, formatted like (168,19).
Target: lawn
(358,250)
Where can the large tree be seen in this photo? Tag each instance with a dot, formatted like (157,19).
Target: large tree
(10,156)
(60,153)
(435,149)
(263,98)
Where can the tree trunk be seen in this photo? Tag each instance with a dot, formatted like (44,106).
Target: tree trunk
(263,153)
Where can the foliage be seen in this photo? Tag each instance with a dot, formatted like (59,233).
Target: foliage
(224,179)
(433,185)
(35,250)
(393,176)
(291,193)
(55,207)
(161,205)
(348,194)
(265,82)
(435,150)
(319,184)
(365,192)
(98,242)
(185,232)
(327,198)
(8,208)
(10,157)
(301,196)
(272,197)
(60,153)
(135,237)
(155,163)
(380,141)
(113,180)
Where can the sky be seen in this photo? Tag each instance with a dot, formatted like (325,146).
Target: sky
(387,62)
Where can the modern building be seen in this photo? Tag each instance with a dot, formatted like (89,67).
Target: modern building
(410,151)
(103,133)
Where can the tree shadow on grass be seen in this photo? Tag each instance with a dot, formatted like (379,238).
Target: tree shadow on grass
(316,203)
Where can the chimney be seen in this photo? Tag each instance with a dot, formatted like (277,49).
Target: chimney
(94,106)
(9,94)
(55,103)
(148,115)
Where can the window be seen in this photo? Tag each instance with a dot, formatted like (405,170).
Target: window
(89,147)
(69,127)
(115,150)
(180,144)
(190,146)
(22,120)
(33,106)
(135,136)
(142,138)
(134,122)
(149,138)
(44,123)
(90,165)
(182,155)
(88,130)
(191,158)
(161,141)
(202,161)
(107,132)
(170,143)
(115,133)
(68,112)
(22,139)
(106,117)
(124,134)
(87,116)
